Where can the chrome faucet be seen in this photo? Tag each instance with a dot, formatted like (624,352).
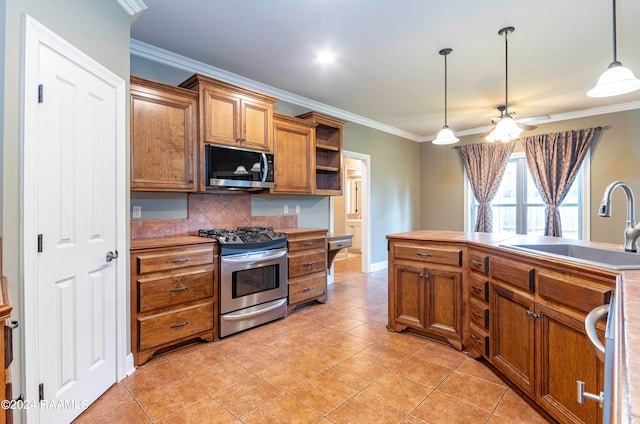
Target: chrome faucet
(631,230)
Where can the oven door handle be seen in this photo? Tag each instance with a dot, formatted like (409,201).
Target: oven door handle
(237,316)
(257,258)
(590,325)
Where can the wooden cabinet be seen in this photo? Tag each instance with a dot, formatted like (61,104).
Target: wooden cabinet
(232,115)
(294,156)
(6,346)
(307,259)
(477,329)
(173,294)
(164,144)
(328,153)
(425,289)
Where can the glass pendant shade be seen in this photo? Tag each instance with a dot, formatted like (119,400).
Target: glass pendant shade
(445,136)
(615,81)
(505,131)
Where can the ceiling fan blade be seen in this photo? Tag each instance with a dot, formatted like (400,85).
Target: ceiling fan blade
(533,119)
(526,127)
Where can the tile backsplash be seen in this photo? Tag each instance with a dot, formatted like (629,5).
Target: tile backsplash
(206,211)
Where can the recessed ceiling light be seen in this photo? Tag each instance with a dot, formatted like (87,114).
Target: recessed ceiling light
(325,56)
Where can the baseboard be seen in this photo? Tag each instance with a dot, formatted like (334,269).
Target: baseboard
(129,367)
(379,266)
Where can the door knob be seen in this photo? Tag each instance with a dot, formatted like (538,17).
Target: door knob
(111,256)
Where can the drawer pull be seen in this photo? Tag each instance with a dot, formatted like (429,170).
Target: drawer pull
(179,289)
(476,288)
(307,243)
(339,244)
(308,264)
(476,263)
(426,255)
(182,324)
(307,289)
(179,261)
(532,314)
(475,339)
(477,314)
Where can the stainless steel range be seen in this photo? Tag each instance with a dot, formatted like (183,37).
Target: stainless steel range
(252,276)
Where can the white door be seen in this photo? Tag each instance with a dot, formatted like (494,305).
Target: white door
(76,216)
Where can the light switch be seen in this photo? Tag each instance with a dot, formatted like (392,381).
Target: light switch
(137,212)
(286,209)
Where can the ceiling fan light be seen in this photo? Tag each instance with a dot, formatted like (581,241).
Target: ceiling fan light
(615,81)
(505,131)
(445,136)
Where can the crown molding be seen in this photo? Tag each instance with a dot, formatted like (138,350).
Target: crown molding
(156,54)
(584,113)
(132,7)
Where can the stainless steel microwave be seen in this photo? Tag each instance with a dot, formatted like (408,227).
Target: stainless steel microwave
(230,168)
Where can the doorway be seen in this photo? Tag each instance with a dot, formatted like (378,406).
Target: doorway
(351,211)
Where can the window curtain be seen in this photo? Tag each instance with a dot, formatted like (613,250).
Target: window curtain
(485,164)
(554,160)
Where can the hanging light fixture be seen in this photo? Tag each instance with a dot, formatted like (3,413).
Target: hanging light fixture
(617,79)
(445,136)
(507,129)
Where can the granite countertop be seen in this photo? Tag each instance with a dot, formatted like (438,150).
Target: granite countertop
(156,242)
(629,288)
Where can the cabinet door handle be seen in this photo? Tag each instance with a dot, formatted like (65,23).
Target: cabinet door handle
(532,314)
(426,255)
(307,289)
(476,288)
(179,261)
(475,339)
(182,324)
(477,314)
(308,264)
(476,263)
(307,243)
(179,289)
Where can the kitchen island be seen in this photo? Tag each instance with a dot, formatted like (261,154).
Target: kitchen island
(523,312)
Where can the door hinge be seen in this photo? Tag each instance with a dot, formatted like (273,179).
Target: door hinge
(41,391)
(40,95)
(39,243)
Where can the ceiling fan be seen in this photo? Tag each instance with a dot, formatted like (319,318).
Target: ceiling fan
(523,123)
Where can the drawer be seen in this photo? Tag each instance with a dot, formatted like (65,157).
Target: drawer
(479,262)
(340,244)
(440,255)
(479,288)
(307,244)
(479,313)
(180,287)
(158,329)
(479,340)
(307,264)
(307,287)
(577,293)
(515,273)
(174,259)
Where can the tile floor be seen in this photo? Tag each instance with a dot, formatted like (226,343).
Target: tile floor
(331,363)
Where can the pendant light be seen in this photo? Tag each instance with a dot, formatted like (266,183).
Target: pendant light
(507,129)
(617,79)
(445,136)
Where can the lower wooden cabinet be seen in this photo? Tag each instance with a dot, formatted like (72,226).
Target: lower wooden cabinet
(307,258)
(425,290)
(173,295)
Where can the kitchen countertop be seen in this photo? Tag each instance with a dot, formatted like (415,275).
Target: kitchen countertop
(629,290)
(156,242)
(301,230)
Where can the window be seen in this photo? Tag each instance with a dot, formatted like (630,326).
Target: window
(518,207)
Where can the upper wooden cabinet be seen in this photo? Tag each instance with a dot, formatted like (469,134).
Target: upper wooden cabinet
(232,115)
(294,157)
(328,151)
(164,145)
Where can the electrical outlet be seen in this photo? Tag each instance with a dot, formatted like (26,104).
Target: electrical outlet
(137,212)
(286,209)
(297,209)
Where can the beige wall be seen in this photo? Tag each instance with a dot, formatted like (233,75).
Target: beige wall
(615,155)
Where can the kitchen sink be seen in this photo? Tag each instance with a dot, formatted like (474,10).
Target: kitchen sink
(612,259)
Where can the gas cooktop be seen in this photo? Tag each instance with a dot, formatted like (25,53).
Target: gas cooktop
(244,235)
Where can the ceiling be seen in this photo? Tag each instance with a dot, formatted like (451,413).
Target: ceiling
(387,66)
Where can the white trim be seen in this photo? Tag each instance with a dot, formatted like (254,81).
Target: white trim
(132,7)
(584,113)
(156,54)
(36,35)
(379,266)
(366,206)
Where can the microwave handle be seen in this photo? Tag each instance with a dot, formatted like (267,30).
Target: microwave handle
(264,171)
